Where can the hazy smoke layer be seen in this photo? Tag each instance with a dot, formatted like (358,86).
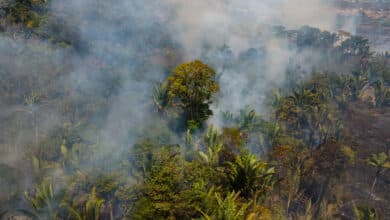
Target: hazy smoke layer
(235,22)
(121,32)
(134,37)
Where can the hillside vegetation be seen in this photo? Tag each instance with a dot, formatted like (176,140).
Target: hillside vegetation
(320,149)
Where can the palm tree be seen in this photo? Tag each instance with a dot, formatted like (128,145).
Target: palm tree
(32,104)
(295,106)
(270,135)
(211,157)
(381,163)
(160,96)
(213,141)
(358,81)
(91,209)
(307,115)
(228,208)
(250,176)
(247,119)
(277,99)
(43,201)
(212,137)
(381,93)
(364,213)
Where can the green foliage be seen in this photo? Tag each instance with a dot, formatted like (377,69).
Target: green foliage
(22,11)
(364,213)
(382,94)
(172,190)
(228,208)
(247,120)
(90,210)
(82,183)
(31,99)
(379,161)
(43,201)
(307,114)
(350,153)
(272,134)
(379,68)
(213,147)
(212,176)
(313,37)
(142,156)
(32,19)
(250,176)
(191,87)
(356,46)
(160,96)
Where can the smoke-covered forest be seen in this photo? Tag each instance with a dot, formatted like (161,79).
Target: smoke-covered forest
(180,109)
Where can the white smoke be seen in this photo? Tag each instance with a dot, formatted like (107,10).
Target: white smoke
(123,35)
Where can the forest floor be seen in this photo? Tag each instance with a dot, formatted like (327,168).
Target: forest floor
(368,132)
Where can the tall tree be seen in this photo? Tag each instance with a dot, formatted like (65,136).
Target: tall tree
(191,87)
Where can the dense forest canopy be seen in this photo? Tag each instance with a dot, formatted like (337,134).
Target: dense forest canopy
(191,110)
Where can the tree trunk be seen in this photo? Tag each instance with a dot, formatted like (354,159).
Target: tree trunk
(373,185)
(111,211)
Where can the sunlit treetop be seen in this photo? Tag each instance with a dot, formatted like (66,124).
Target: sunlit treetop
(191,86)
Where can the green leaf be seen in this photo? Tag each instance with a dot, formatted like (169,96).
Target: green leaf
(64,150)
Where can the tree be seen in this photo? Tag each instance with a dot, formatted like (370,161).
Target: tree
(191,87)
(250,176)
(299,110)
(381,163)
(160,96)
(161,188)
(214,146)
(43,201)
(91,209)
(228,208)
(364,213)
(356,46)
